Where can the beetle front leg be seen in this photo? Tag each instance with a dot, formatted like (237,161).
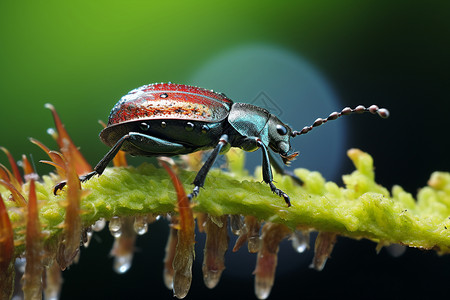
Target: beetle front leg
(199,180)
(267,173)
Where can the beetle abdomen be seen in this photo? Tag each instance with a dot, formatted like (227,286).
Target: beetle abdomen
(170,101)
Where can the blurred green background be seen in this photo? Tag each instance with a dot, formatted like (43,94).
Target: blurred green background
(83,56)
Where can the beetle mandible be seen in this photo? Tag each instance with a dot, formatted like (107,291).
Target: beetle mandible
(166,119)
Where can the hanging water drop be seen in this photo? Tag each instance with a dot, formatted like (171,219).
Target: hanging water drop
(115,227)
(87,237)
(140,225)
(236,224)
(300,240)
(122,263)
(99,225)
(396,250)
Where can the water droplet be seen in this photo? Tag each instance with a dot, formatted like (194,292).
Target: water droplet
(189,126)
(300,240)
(52,296)
(236,224)
(122,263)
(115,227)
(262,289)
(205,128)
(144,126)
(140,225)
(396,250)
(164,95)
(163,124)
(88,237)
(211,278)
(20,264)
(99,225)
(51,131)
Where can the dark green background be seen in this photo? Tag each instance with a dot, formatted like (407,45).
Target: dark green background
(82,56)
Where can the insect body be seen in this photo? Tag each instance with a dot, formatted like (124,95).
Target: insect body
(170,119)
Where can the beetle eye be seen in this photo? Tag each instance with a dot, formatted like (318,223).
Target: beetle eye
(144,126)
(281,130)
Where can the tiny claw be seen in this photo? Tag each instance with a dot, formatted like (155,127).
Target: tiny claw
(87,176)
(280,193)
(194,193)
(59,187)
(286,198)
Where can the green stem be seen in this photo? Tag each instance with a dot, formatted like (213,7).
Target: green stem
(361,209)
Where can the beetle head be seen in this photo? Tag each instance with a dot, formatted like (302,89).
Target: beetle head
(279,139)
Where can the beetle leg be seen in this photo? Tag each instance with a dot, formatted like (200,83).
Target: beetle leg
(199,180)
(267,173)
(279,168)
(100,167)
(139,140)
(153,145)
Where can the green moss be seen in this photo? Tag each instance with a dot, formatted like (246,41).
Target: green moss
(361,209)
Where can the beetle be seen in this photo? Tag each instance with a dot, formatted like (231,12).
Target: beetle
(166,119)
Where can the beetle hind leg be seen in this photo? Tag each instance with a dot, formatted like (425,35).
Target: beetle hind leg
(100,167)
(82,178)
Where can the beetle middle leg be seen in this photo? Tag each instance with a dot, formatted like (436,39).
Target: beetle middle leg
(267,173)
(199,180)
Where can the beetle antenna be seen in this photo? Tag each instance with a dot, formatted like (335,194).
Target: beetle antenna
(373,109)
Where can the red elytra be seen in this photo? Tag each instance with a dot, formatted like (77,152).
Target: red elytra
(170,101)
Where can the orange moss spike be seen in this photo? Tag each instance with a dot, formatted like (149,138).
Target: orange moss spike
(16,195)
(28,170)
(53,281)
(14,166)
(272,235)
(250,234)
(322,249)
(59,169)
(6,236)
(215,247)
(82,166)
(6,253)
(57,159)
(32,278)
(120,160)
(201,221)
(70,245)
(40,145)
(171,246)
(6,175)
(184,256)
(184,207)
